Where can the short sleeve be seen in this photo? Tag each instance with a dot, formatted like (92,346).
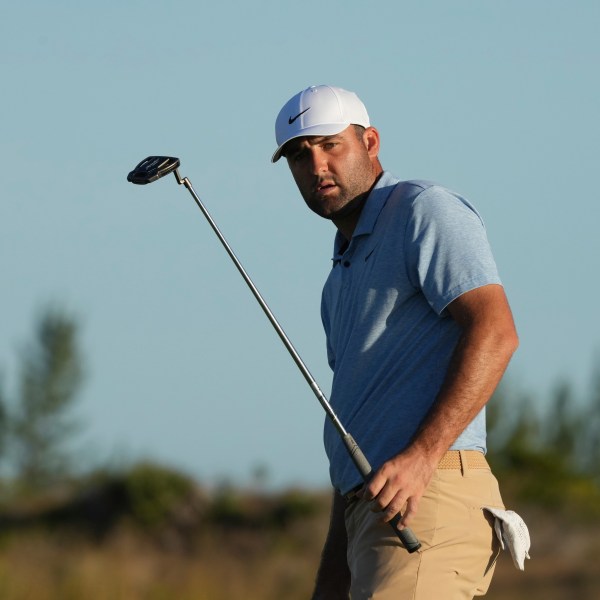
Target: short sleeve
(447,249)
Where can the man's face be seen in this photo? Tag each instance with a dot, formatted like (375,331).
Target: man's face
(334,173)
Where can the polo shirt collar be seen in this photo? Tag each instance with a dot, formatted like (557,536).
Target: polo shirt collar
(370,212)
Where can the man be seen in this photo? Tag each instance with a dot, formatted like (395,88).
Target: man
(419,333)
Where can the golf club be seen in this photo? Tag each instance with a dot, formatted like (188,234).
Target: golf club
(155,167)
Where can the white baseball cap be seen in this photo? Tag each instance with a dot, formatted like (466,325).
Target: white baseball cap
(318,110)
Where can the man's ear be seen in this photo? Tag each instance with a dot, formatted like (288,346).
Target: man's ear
(371,141)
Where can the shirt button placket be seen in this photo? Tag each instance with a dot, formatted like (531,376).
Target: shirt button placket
(346,272)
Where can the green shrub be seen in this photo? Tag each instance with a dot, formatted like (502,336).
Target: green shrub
(155,492)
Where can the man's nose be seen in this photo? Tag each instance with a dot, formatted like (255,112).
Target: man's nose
(318,160)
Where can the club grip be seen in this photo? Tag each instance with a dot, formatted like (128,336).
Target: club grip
(407,537)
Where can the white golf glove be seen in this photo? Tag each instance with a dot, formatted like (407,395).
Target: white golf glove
(512,532)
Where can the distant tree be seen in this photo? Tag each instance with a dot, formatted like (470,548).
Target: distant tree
(548,457)
(39,419)
(591,433)
(3,418)
(513,427)
(563,424)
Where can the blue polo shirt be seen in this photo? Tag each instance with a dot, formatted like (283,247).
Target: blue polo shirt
(416,248)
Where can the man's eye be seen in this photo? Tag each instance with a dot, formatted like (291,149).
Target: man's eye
(329,145)
(298,156)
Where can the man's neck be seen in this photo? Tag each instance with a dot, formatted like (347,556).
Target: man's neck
(346,224)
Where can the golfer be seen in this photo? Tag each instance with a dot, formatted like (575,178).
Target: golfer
(419,333)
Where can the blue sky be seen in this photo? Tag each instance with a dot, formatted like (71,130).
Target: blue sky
(497,100)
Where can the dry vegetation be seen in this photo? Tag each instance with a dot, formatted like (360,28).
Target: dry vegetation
(268,551)
(239,546)
(126,566)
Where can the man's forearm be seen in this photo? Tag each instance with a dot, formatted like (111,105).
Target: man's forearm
(333,576)
(478,363)
(481,356)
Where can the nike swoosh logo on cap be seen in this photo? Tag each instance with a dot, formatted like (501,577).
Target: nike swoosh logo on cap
(291,120)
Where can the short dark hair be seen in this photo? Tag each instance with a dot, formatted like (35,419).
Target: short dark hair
(359,130)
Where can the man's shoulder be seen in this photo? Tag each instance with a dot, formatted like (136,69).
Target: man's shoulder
(406,196)
(416,187)
(426,196)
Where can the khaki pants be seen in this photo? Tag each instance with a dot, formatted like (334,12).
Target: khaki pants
(458,544)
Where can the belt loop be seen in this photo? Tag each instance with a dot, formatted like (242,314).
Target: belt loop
(464,465)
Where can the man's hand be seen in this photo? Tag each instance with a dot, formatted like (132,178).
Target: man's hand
(400,481)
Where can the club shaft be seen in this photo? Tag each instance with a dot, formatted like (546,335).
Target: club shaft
(283,336)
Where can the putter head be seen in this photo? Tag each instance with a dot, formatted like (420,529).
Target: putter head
(153,168)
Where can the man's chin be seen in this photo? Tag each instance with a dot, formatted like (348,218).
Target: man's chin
(336,208)
(328,213)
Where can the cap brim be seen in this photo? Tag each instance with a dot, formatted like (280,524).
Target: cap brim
(323,129)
